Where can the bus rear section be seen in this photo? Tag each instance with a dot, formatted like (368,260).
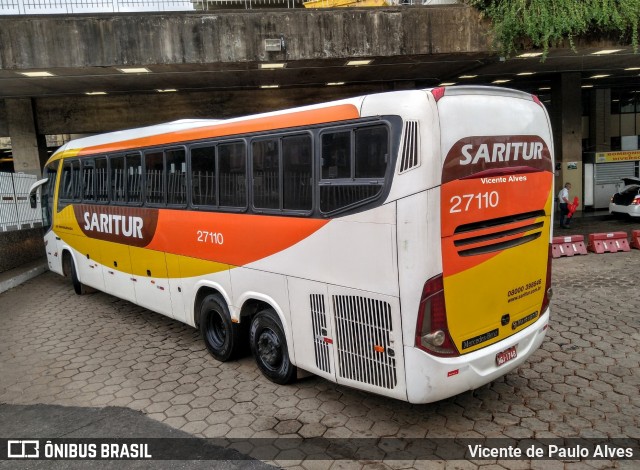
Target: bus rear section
(488,308)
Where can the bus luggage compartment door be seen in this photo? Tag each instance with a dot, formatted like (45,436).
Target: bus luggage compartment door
(150,279)
(117,271)
(368,341)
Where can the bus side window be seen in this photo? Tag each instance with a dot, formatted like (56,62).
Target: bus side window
(203,176)
(266,174)
(336,155)
(102,180)
(69,184)
(176,177)
(232,174)
(372,150)
(296,167)
(154,177)
(88,173)
(66,183)
(118,179)
(133,171)
(77,180)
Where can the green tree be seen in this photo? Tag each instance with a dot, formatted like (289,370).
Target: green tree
(544,23)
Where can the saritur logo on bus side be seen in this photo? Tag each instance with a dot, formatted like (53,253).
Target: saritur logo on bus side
(129,225)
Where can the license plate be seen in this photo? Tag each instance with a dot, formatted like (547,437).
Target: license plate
(506,355)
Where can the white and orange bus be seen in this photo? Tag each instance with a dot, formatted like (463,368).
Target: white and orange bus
(396,243)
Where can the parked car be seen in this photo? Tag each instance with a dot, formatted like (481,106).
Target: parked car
(627,200)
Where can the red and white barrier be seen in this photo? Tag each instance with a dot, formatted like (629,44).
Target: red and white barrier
(568,246)
(611,242)
(635,239)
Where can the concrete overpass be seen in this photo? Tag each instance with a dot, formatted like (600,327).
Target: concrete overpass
(218,62)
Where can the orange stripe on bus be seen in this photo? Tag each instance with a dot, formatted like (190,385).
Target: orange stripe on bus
(514,198)
(235,239)
(341,112)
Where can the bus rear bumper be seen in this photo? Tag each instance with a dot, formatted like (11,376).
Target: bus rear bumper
(431,378)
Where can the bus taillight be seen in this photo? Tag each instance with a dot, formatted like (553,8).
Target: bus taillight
(438,93)
(432,334)
(548,291)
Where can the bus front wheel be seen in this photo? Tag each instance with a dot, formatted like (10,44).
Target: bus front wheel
(269,347)
(220,334)
(70,269)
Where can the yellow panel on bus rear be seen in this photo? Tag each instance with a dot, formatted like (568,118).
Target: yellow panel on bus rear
(496,204)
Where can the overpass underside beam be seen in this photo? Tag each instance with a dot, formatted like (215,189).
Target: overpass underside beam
(236,37)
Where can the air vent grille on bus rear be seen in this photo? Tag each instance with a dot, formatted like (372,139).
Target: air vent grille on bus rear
(319,323)
(363,340)
(499,221)
(410,147)
(498,234)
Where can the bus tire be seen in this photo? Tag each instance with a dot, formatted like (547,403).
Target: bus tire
(220,334)
(269,347)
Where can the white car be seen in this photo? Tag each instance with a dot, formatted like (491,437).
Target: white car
(627,200)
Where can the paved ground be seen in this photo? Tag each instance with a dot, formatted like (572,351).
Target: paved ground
(70,422)
(96,350)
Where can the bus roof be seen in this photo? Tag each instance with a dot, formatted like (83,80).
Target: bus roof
(185,130)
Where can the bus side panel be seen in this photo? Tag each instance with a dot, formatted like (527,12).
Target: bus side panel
(312,327)
(356,251)
(88,260)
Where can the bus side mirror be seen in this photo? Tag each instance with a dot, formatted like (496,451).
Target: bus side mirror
(33,192)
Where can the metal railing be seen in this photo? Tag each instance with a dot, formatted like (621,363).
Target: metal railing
(43,7)
(15,210)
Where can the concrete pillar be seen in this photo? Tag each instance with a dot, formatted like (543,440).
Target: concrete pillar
(28,148)
(600,120)
(566,118)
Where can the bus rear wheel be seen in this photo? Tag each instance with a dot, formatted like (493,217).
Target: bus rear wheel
(269,347)
(220,334)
